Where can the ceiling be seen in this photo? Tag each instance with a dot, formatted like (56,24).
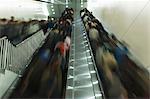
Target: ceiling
(56,7)
(37,9)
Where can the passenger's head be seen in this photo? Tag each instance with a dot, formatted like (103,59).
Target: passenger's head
(48,17)
(114,38)
(12,18)
(67,41)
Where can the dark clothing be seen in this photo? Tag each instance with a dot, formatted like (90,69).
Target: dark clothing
(120,53)
(50,25)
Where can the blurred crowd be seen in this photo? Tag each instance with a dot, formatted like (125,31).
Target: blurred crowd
(45,77)
(121,77)
(20,30)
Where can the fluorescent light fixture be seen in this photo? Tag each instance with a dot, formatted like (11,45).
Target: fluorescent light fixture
(52,1)
(81,5)
(66,6)
(53,12)
(81,2)
(52,18)
(52,9)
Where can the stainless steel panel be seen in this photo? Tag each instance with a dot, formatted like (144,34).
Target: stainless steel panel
(82,82)
(84,93)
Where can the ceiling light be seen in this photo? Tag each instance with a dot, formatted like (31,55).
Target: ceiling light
(53,12)
(66,6)
(52,9)
(81,5)
(81,2)
(52,18)
(52,6)
(52,1)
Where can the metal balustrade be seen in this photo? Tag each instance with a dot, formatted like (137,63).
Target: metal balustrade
(15,58)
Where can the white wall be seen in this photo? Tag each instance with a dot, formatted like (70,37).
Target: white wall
(129,20)
(23,9)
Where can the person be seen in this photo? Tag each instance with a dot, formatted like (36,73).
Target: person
(56,38)
(51,80)
(68,42)
(119,52)
(44,26)
(93,36)
(63,46)
(12,19)
(68,27)
(50,23)
(135,79)
(87,26)
(86,18)
(114,87)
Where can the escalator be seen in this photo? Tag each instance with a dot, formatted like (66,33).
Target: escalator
(54,72)
(83,81)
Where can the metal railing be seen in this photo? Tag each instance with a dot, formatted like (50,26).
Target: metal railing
(15,58)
